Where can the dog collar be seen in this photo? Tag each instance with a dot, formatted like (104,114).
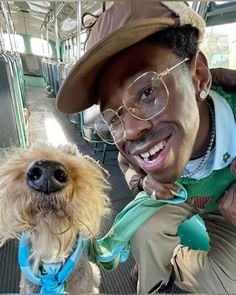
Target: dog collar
(53,276)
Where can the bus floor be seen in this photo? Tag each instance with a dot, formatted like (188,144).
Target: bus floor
(47,124)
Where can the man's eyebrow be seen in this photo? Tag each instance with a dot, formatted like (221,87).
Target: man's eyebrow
(133,74)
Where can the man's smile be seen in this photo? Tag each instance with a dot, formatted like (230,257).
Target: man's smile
(152,154)
(155,156)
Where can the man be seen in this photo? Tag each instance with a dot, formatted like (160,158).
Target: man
(152,83)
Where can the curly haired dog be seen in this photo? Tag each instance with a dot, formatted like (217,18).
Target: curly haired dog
(53,196)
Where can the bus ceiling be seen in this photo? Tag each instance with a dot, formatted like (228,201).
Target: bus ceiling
(29,16)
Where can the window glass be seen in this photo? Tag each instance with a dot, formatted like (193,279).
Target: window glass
(219,45)
(19,42)
(190,3)
(83,39)
(221,2)
(41,47)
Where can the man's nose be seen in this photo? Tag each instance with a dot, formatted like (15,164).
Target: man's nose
(134,127)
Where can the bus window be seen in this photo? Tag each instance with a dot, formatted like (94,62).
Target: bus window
(41,47)
(19,42)
(219,45)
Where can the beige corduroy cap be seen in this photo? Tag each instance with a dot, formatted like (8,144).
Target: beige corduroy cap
(124,24)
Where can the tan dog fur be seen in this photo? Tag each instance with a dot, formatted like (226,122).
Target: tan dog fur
(52,222)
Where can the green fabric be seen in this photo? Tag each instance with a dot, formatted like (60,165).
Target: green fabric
(229,97)
(192,233)
(214,185)
(113,247)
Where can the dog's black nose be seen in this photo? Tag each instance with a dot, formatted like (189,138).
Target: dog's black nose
(46,176)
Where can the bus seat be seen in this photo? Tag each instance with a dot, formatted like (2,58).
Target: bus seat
(12,121)
(61,72)
(8,133)
(87,120)
(51,79)
(31,64)
(55,77)
(74,119)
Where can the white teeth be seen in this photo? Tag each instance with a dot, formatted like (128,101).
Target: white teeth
(148,161)
(145,155)
(153,150)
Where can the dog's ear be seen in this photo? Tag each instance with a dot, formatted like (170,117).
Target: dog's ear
(103,170)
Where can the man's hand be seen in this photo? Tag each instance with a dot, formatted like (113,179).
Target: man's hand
(227,205)
(158,190)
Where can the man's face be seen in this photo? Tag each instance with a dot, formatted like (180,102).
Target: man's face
(162,145)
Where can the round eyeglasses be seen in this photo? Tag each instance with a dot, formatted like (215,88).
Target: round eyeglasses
(146,97)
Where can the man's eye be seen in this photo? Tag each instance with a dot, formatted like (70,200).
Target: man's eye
(146,95)
(114,121)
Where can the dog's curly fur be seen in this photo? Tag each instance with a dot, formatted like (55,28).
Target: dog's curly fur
(51,222)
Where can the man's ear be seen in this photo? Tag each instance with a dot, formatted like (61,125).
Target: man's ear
(201,75)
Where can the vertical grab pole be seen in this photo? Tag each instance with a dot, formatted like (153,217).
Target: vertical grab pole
(7,25)
(78,29)
(41,36)
(2,21)
(12,28)
(56,35)
(68,51)
(47,38)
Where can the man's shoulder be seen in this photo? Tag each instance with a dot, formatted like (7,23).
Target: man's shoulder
(227,95)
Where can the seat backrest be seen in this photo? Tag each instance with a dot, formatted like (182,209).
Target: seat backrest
(32,64)
(88,119)
(12,120)
(91,114)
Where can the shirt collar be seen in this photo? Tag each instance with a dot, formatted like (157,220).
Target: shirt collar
(225,150)
(225,144)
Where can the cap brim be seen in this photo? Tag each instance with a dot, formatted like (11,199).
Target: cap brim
(77,91)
